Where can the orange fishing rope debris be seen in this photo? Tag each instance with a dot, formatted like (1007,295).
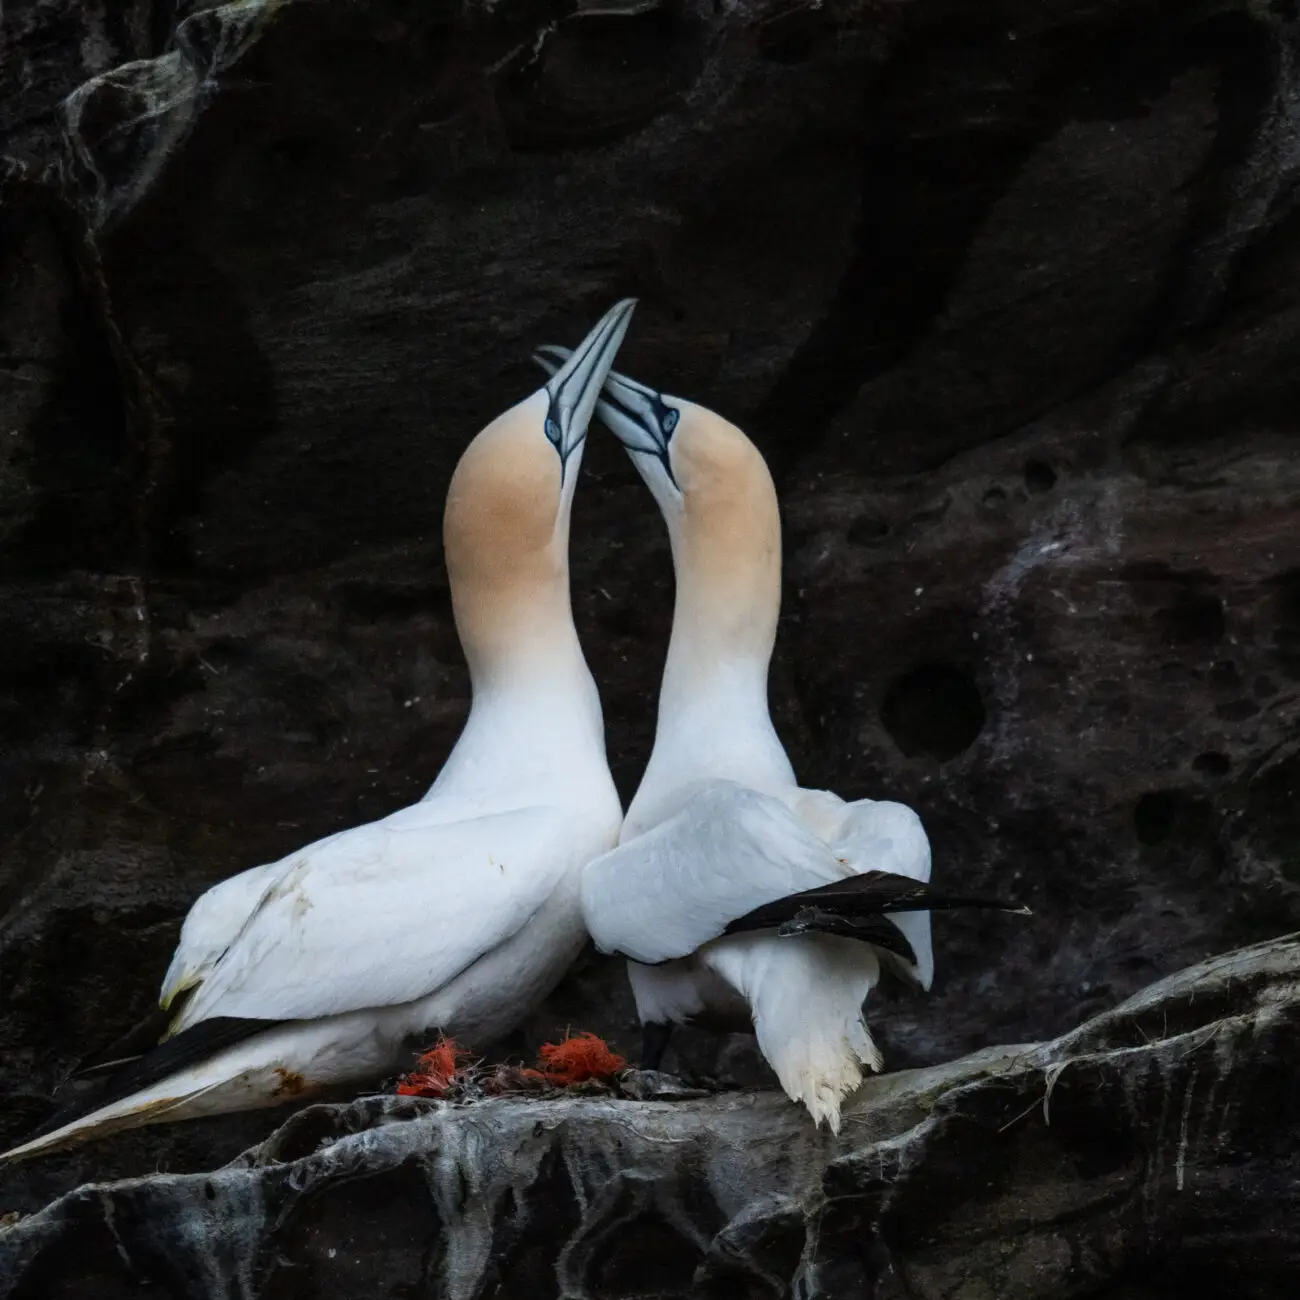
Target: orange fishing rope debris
(576,1060)
(434,1071)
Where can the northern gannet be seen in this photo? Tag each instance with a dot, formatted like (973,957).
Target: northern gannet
(458,913)
(743,901)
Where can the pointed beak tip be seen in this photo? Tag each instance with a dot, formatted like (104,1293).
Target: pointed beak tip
(577,375)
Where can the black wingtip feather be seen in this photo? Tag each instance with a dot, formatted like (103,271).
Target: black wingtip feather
(189,1047)
(857,906)
(137,1042)
(877,931)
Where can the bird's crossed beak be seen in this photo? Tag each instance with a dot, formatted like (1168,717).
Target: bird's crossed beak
(636,414)
(575,385)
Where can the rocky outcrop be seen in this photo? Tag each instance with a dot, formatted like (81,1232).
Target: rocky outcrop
(1006,292)
(1150,1152)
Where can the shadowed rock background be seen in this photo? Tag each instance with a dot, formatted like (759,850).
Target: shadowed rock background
(1009,295)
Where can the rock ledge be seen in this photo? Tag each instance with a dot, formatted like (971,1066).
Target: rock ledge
(1153,1147)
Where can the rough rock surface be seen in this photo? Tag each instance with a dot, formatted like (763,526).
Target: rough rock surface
(1007,292)
(1150,1152)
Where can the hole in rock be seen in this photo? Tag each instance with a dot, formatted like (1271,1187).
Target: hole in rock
(1212,763)
(1039,476)
(933,710)
(1154,816)
(867,530)
(994,497)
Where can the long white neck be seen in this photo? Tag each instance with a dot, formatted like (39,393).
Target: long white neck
(535,733)
(713,719)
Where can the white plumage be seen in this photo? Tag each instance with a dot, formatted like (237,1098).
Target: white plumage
(369,937)
(210,926)
(458,913)
(730,849)
(347,924)
(719,825)
(664,897)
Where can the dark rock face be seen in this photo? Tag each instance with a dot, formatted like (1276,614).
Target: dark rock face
(1150,1152)
(1007,293)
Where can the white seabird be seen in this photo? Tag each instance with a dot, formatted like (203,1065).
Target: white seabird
(743,901)
(458,913)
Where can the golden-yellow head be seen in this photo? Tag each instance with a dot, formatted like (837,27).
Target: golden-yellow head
(717,497)
(506,522)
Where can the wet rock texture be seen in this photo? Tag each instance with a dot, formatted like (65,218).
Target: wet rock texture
(1149,1153)
(1009,294)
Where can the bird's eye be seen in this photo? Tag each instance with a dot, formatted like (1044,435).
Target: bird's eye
(670,422)
(552,431)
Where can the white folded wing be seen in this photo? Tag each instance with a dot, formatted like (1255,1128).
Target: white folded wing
(385,914)
(210,927)
(217,915)
(727,851)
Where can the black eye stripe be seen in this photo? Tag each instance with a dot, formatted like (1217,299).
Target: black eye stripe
(556,441)
(667,418)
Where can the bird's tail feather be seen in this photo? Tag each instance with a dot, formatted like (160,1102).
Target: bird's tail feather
(806,997)
(177,1071)
(106,1121)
